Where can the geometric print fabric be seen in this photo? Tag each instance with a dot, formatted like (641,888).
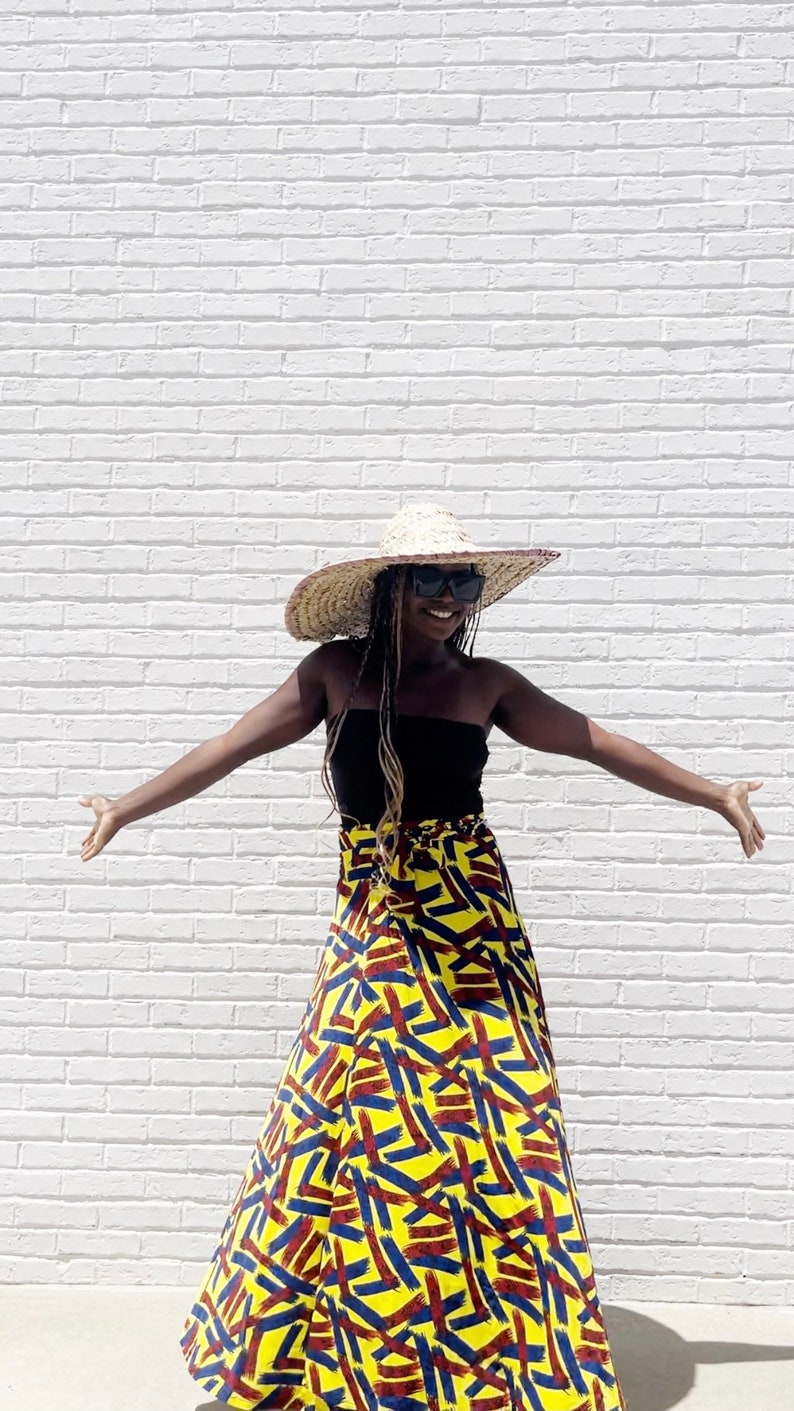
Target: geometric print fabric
(407,1234)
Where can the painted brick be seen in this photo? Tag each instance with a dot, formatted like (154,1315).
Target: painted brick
(533,262)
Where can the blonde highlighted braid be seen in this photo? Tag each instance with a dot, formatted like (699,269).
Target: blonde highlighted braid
(383,641)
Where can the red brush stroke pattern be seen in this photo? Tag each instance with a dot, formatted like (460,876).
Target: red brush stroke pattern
(378,1247)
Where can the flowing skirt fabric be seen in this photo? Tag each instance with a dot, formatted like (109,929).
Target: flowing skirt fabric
(407,1234)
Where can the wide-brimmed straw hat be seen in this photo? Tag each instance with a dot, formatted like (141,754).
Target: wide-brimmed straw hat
(334,601)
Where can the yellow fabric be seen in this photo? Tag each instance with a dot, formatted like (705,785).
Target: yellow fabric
(407,1233)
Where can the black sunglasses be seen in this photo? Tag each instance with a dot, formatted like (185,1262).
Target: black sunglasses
(464,584)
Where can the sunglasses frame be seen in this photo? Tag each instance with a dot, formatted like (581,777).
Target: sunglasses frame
(447,581)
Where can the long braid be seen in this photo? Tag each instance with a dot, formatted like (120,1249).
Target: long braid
(383,642)
(378,646)
(463,637)
(334,729)
(387,754)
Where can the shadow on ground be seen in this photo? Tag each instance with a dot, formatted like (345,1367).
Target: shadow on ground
(657,1366)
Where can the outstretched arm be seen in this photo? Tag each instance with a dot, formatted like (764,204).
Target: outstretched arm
(292,711)
(531,717)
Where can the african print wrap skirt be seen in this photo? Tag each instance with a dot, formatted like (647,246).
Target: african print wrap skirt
(407,1234)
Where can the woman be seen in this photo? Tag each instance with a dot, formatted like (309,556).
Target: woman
(407,1233)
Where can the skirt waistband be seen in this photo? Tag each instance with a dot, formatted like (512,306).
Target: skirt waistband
(421,830)
(421,846)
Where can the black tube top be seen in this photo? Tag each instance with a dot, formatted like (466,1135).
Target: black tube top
(442,762)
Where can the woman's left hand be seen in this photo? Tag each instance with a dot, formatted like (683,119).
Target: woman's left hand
(736,809)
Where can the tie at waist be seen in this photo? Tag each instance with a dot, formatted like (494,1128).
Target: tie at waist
(421,848)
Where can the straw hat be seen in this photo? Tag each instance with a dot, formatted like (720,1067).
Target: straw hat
(334,601)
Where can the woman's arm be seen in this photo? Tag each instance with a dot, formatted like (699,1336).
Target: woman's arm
(292,711)
(533,718)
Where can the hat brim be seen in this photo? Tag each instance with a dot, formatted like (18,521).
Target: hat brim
(334,601)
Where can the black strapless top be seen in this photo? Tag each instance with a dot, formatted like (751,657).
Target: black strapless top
(442,762)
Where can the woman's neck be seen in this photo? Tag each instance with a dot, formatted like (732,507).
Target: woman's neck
(423,655)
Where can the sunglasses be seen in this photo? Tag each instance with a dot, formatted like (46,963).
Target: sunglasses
(464,584)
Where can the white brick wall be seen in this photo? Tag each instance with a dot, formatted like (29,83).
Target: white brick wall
(266,273)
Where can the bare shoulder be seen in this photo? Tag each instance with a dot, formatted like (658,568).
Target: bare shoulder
(499,676)
(490,679)
(295,708)
(332,656)
(533,717)
(337,664)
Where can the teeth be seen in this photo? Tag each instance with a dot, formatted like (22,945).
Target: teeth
(435,612)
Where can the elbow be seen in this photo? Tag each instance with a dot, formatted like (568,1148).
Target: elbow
(595,745)
(230,751)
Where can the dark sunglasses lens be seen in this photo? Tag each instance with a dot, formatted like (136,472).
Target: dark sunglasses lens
(428,582)
(466,586)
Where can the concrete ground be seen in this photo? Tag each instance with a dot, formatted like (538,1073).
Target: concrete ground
(117,1349)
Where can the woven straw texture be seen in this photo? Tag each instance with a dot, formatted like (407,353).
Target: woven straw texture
(334,601)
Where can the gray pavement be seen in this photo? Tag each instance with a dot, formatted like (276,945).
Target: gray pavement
(74,1348)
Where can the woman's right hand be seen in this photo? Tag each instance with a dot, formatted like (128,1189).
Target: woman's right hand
(106,825)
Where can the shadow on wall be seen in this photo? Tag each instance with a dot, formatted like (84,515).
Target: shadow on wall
(656,1366)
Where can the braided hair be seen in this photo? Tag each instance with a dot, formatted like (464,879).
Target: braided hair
(382,645)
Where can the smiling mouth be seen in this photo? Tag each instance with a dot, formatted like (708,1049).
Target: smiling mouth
(444,614)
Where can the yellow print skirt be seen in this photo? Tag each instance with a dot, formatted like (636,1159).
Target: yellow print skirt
(407,1234)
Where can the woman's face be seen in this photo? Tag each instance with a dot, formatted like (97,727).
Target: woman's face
(436,618)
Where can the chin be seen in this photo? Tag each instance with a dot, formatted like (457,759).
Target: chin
(436,626)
